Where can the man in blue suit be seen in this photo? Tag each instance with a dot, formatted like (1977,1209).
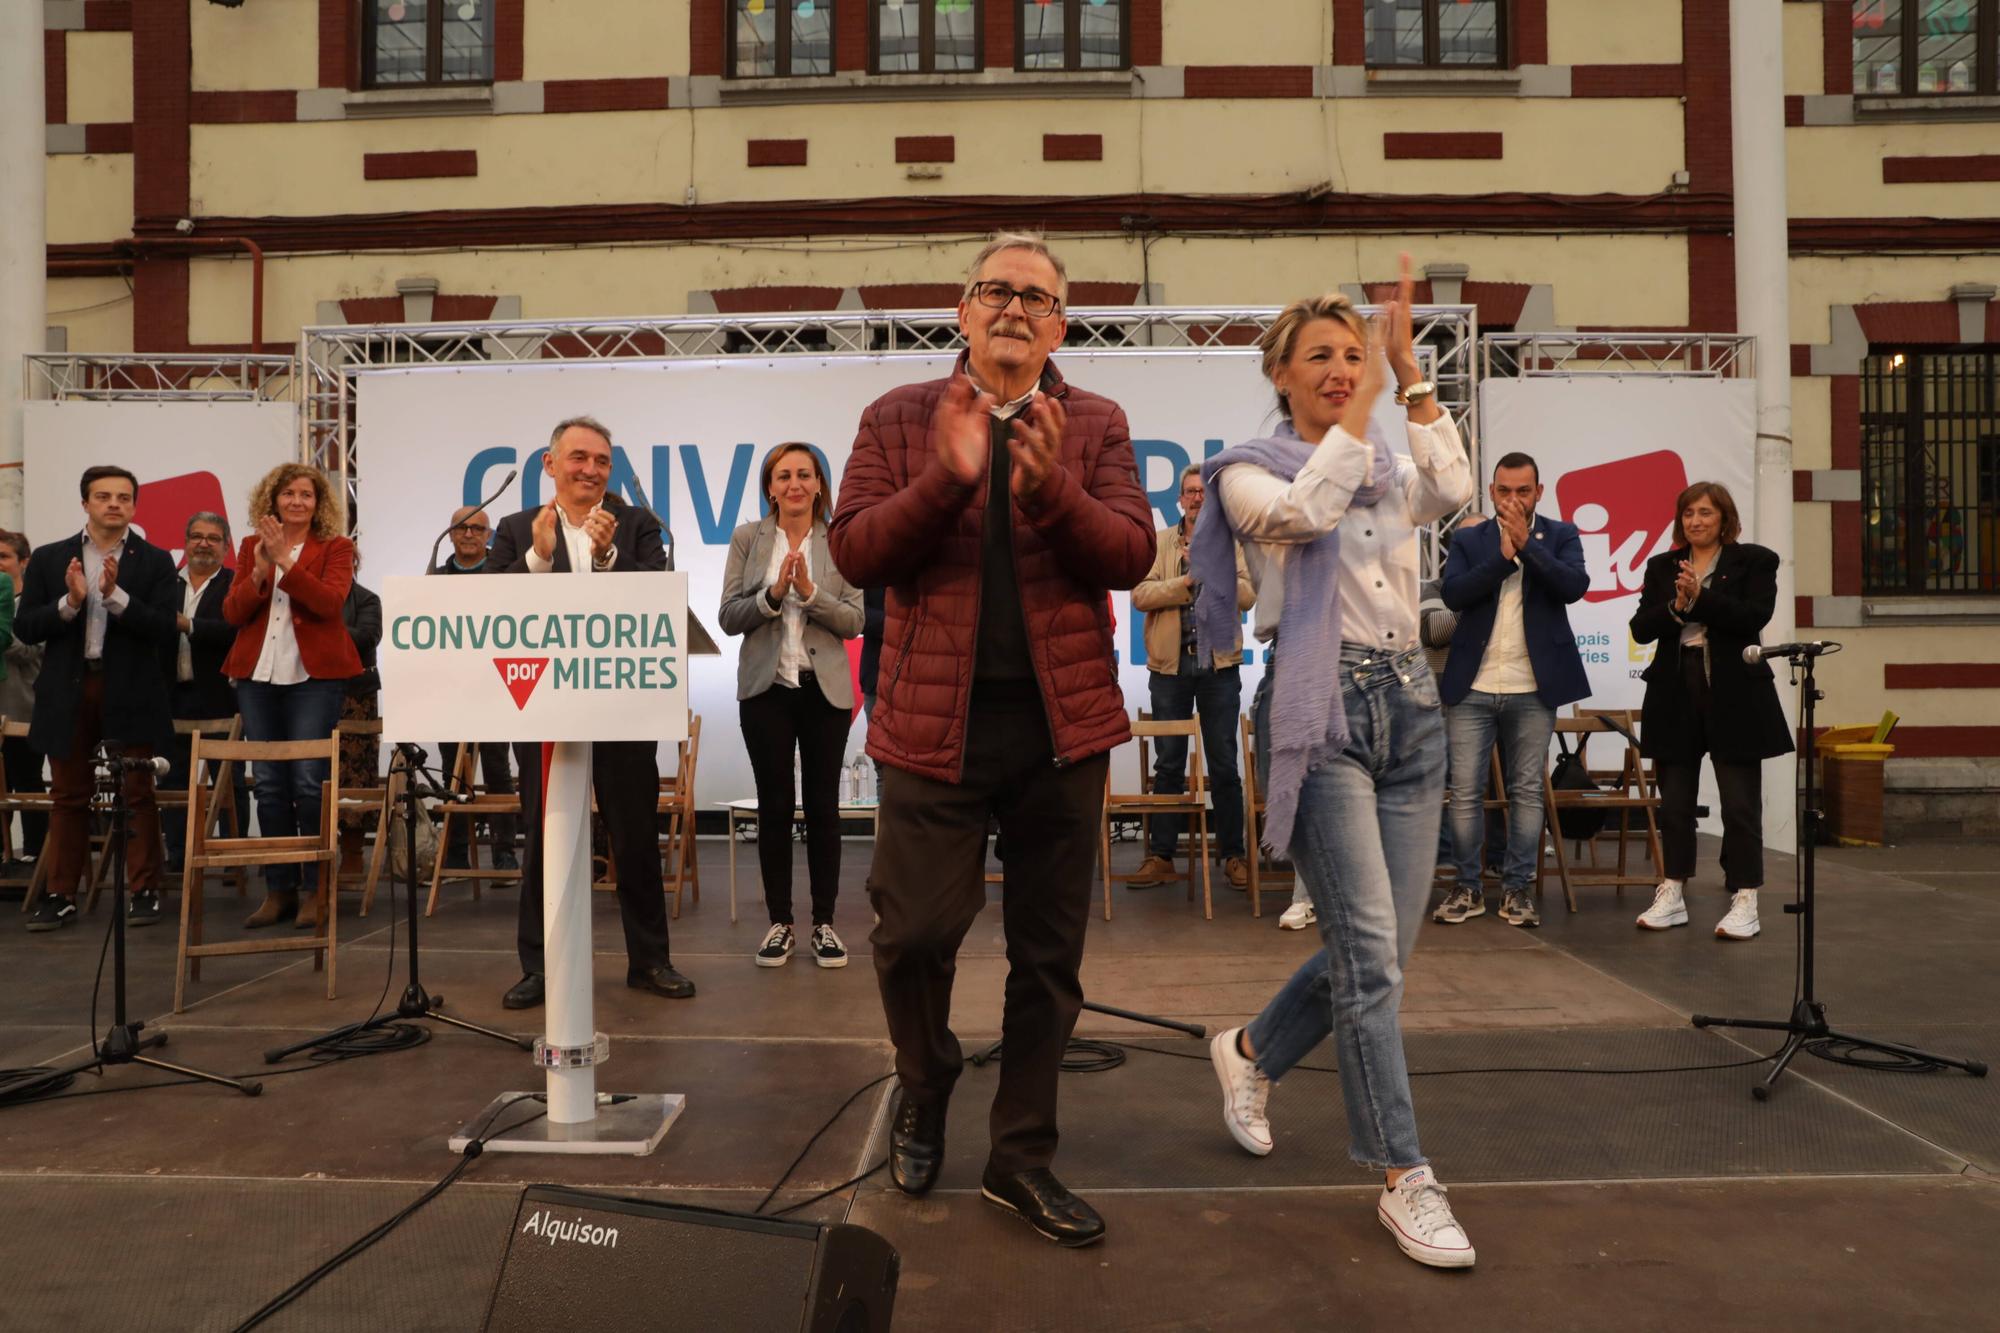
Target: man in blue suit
(1513,663)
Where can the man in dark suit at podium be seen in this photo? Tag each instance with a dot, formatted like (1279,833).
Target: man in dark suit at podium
(585,530)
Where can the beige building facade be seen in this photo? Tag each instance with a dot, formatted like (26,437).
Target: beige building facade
(1559,164)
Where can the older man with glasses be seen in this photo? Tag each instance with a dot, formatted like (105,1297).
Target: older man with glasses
(201,691)
(470,529)
(997,506)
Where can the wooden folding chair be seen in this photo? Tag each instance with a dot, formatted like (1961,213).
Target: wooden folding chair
(483,803)
(1194,801)
(378,800)
(23,802)
(1261,867)
(222,805)
(204,853)
(679,860)
(1629,793)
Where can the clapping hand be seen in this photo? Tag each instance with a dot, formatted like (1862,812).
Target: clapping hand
(1036,443)
(107,578)
(802,583)
(1398,330)
(960,431)
(1686,587)
(73,580)
(1513,521)
(271,546)
(601,525)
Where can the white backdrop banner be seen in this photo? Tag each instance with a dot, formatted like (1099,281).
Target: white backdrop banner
(189,457)
(690,438)
(1614,454)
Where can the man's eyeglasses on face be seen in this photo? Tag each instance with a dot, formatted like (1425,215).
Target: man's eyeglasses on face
(198,539)
(476,529)
(1035,303)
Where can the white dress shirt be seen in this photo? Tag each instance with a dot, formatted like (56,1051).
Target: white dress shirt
(792,658)
(184,653)
(1506,669)
(278,663)
(97,605)
(574,536)
(1379,560)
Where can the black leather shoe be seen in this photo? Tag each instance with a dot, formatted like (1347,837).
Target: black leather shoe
(1038,1197)
(526,994)
(661,980)
(916,1144)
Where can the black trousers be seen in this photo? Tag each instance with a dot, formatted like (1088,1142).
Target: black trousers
(626,778)
(24,773)
(928,885)
(781,722)
(499,777)
(1740,786)
(174,826)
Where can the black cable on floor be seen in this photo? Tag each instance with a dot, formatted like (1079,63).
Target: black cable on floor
(473,1150)
(1841,1051)
(772,1193)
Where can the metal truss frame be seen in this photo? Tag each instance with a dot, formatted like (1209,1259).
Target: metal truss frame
(1702,355)
(160,377)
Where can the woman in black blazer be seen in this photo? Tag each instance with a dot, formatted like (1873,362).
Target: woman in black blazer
(1704,602)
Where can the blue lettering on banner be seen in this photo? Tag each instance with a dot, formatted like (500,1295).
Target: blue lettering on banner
(716,523)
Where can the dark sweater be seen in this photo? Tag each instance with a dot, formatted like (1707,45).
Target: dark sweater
(1002,652)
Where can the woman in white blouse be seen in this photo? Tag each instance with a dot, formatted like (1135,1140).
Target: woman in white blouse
(795,695)
(1349,720)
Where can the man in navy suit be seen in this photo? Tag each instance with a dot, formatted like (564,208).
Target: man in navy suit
(1513,663)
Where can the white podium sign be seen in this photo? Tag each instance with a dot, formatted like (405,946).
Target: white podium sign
(525,657)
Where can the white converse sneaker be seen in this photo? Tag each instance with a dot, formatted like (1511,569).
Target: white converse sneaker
(1244,1092)
(1416,1214)
(1741,923)
(1669,909)
(776,950)
(1297,917)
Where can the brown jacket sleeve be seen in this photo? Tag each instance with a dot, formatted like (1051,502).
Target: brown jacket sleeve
(882,534)
(1101,530)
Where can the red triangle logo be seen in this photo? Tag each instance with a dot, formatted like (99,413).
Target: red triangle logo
(521,674)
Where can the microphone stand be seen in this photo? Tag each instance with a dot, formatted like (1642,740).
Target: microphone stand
(1807,1023)
(416,1002)
(498,491)
(122,1044)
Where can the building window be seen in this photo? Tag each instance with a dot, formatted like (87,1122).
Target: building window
(1930,471)
(1434,33)
(923,36)
(780,39)
(1074,34)
(426,43)
(1926,48)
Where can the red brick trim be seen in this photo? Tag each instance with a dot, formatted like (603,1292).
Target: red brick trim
(1626,81)
(1207,81)
(1802,618)
(1846,548)
(763,300)
(1837,46)
(510,23)
(997,34)
(55,76)
(163,32)
(926,148)
(1461,147)
(1941,170)
(1795,111)
(1844,406)
(1148,30)
(107,15)
(777,153)
(1946,742)
(850,37)
(1941,676)
(339,43)
(911,295)
(1349,32)
(1705,58)
(389,309)
(1801,361)
(1711,282)
(572,95)
(430,165)
(1802,486)
(1530,44)
(1072,148)
(108,137)
(707,31)
(1920,322)
(268,107)
(1101,293)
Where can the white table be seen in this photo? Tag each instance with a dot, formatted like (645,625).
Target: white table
(745,810)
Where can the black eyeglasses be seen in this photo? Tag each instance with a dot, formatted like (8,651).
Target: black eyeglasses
(1035,303)
(480,529)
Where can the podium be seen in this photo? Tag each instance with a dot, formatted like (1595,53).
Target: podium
(565,661)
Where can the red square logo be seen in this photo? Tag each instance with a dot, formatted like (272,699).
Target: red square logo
(1624,514)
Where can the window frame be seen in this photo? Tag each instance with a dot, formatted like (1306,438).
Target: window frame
(926,40)
(781,64)
(434,22)
(1985,54)
(1072,40)
(1903,570)
(1503,44)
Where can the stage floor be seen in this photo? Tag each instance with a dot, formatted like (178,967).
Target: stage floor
(1852,1200)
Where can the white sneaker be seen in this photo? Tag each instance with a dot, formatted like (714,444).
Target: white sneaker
(1669,909)
(1741,923)
(1244,1092)
(776,949)
(1416,1214)
(1297,917)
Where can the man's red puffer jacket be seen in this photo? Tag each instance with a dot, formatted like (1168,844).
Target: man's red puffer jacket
(903,524)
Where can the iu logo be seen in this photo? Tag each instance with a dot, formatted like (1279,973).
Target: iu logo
(521,674)
(1624,515)
(166,505)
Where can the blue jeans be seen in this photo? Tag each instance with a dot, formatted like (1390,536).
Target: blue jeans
(1363,844)
(288,793)
(1217,696)
(1522,724)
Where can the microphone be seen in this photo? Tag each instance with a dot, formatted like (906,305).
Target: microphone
(156,766)
(497,493)
(1756,653)
(666,529)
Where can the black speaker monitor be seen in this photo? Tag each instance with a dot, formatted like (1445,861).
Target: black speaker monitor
(579,1260)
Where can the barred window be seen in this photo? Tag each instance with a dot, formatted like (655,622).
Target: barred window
(924,36)
(1074,34)
(779,39)
(1930,471)
(1436,33)
(1926,48)
(419,43)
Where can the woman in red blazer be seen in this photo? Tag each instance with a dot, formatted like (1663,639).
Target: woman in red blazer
(292,657)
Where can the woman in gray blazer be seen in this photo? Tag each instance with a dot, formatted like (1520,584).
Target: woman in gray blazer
(781,592)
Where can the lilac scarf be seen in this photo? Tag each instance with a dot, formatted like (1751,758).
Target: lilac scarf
(1308,721)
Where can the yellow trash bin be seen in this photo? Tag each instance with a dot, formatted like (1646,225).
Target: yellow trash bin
(1854,792)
